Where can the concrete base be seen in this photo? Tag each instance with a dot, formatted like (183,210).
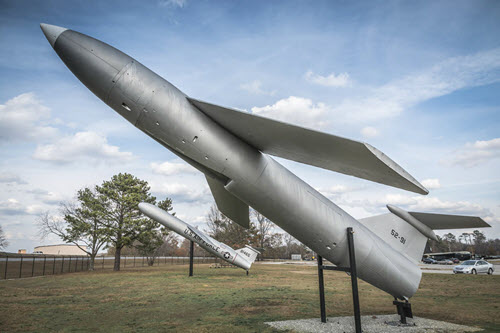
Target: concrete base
(371,324)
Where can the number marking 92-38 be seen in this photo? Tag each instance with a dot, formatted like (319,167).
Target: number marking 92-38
(394,233)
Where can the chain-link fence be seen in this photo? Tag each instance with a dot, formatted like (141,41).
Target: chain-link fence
(15,266)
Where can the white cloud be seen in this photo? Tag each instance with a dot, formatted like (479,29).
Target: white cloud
(14,207)
(182,193)
(24,118)
(369,132)
(441,79)
(298,110)
(169,168)
(47,197)
(10,178)
(432,183)
(332,80)
(477,153)
(173,3)
(255,87)
(87,146)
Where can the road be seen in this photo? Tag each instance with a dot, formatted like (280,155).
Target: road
(447,269)
(426,268)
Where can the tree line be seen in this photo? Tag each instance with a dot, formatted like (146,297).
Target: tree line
(475,242)
(107,216)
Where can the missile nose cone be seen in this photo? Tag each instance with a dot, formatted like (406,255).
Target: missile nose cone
(51,32)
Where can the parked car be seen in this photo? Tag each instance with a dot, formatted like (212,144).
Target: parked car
(474,267)
(455,260)
(445,262)
(429,261)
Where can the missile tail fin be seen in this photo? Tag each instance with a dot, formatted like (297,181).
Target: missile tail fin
(228,204)
(249,253)
(407,232)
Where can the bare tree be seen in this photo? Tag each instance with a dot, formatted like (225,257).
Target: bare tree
(3,240)
(226,231)
(264,228)
(289,242)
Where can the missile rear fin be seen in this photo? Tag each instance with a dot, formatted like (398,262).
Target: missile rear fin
(311,147)
(446,221)
(407,232)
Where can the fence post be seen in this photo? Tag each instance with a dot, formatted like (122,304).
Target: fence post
(76,264)
(134,260)
(125,261)
(62,265)
(69,265)
(44,261)
(82,265)
(21,268)
(54,266)
(142,261)
(33,267)
(6,262)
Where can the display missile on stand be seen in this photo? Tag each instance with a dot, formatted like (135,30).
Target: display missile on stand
(242,258)
(231,148)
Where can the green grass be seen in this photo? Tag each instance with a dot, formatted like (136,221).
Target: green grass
(224,300)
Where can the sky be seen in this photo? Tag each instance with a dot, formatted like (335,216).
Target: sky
(419,81)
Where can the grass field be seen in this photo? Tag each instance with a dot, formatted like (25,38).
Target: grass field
(224,300)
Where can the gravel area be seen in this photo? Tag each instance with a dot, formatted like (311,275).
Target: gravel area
(371,324)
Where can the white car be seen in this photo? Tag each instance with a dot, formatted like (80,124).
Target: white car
(474,267)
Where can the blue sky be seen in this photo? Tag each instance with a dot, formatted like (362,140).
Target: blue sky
(419,81)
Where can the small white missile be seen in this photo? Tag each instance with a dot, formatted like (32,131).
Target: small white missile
(242,258)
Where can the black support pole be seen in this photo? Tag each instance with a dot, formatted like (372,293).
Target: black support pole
(321,289)
(354,280)
(33,267)
(191,255)
(21,268)
(5,272)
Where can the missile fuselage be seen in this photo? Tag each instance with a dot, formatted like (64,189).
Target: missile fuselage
(163,112)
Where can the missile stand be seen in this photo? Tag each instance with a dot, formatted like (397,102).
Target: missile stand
(354,281)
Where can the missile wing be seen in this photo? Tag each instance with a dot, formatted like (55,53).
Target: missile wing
(311,147)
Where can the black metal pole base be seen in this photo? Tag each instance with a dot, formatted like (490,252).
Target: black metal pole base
(354,282)
(191,255)
(404,310)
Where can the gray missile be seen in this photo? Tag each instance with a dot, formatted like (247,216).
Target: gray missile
(242,258)
(232,149)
